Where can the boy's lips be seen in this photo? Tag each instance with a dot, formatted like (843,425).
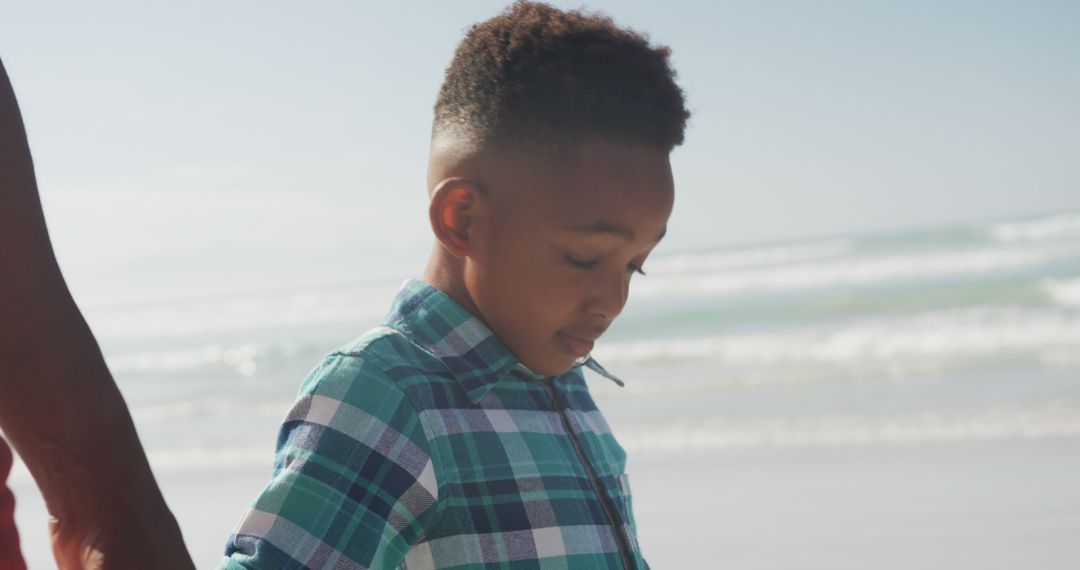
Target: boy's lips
(579,347)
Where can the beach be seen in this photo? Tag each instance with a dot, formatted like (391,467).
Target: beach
(987,505)
(993,505)
(895,400)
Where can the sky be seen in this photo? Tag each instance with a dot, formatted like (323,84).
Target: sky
(187,148)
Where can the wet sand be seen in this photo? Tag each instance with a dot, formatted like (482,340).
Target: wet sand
(985,505)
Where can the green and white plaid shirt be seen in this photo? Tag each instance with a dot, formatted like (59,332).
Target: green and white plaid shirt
(425,444)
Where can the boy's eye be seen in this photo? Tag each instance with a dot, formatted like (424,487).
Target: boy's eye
(580,264)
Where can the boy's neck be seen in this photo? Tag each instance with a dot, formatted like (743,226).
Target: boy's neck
(446,273)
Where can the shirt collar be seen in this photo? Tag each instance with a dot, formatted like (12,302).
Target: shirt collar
(473,354)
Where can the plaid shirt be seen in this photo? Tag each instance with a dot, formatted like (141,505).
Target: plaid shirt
(425,444)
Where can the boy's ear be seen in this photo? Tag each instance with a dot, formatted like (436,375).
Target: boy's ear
(453,210)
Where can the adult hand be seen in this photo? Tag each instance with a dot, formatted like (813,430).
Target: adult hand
(78,548)
(111,544)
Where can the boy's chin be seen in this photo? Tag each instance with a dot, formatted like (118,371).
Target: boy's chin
(551,366)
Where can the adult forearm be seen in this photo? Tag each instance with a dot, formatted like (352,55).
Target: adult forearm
(74,432)
(57,399)
(63,413)
(59,405)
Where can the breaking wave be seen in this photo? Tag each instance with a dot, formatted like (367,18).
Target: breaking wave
(749,257)
(955,333)
(850,271)
(1058,226)
(1063,291)
(1049,420)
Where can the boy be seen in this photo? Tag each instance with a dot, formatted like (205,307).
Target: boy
(461,433)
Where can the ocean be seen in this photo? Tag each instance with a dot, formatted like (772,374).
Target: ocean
(912,346)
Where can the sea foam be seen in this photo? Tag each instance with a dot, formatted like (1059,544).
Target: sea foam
(851,271)
(1058,226)
(1045,420)
(972,332)
(1063,291)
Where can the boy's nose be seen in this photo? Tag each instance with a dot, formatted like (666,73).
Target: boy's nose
(610,294)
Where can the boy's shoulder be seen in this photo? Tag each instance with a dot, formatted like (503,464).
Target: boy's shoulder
(381,357)
(383,343)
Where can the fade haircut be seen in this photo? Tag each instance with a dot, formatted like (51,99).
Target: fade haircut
(537,75)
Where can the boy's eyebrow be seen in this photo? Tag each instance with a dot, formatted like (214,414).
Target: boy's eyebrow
(603,227)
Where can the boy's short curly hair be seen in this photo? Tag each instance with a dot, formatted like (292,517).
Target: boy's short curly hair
(537,74)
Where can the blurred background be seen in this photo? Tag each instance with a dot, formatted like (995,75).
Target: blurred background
(858,347)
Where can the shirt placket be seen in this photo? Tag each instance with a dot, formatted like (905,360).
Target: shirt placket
(558,401)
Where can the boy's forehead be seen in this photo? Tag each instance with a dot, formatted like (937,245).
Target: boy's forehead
(596,171)
(627,213)
(603,186)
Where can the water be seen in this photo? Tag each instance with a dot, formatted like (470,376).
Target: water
(968,333)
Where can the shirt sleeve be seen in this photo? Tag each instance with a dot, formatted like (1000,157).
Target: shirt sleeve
(353,484)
